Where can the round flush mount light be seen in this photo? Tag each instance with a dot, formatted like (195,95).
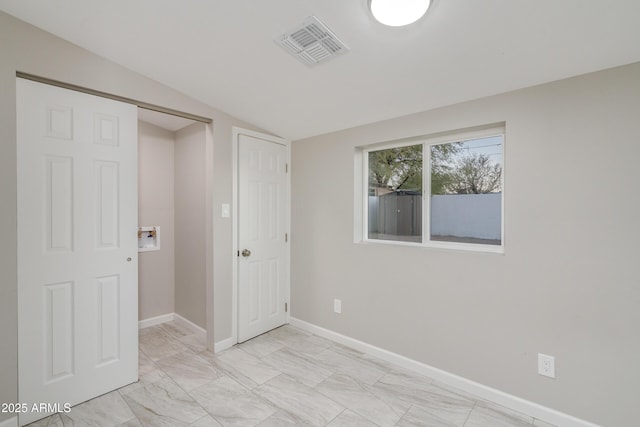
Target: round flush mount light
(397,13)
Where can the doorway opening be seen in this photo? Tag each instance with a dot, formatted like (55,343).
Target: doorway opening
(175,200)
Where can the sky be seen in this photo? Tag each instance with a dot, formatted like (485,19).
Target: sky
(490,146)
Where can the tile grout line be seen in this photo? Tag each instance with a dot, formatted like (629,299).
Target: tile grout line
(334,418)
(469,414)
(405,413)
(174,381)
(311,359)
(228,375)
(193,398)
(130,408)
(186,392)
(285,346)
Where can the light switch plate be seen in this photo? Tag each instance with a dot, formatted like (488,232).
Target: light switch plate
(337,306)
(225,210)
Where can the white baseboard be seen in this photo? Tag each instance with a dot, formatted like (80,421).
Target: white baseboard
(223,345)
(152,321)
(169,317)
(188,324)
(533,409)
(11,422)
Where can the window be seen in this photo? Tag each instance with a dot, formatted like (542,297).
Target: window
(395,194)
(441,191)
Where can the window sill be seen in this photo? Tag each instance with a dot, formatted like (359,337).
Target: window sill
(447,246)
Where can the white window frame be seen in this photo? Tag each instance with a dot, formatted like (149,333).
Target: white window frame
(361,234)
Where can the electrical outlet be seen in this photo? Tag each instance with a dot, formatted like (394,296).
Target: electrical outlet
(337,306)
(546,365)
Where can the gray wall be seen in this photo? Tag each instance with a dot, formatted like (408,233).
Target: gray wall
(567,285)
(190,222)
(28,49)
(156,269)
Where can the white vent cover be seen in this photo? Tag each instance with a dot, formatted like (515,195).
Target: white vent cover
(312,42)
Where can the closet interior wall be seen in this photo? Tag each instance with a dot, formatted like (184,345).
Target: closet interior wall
(172,194)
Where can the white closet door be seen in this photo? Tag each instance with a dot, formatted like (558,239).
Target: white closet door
(77,245)
(263,268)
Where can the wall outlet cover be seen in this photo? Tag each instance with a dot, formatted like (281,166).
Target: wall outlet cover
(546,365)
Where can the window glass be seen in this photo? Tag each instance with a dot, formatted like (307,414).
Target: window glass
(466,191)
(395,194)
(439,192)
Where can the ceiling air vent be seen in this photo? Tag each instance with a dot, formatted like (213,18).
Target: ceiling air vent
(312,42)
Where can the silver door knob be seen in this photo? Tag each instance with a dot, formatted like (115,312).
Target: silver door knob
(246,252)
(129,259)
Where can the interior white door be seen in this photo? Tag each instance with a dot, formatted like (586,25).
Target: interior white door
(77,246)
(263,267)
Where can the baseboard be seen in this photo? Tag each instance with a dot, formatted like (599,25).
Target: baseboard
(188,324)
(169,317)
(11,422)
(533,409)
(223,345)
(152,321)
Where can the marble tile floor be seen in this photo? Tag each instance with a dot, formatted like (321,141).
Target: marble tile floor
(286,377)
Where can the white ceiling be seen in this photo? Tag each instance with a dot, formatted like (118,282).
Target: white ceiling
(222,52)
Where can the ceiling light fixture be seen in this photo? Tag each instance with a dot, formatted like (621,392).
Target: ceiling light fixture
(398,13)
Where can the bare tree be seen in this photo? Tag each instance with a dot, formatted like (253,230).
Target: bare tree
(475,174)
(401,168)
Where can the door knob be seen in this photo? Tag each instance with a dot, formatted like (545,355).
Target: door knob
(246,252)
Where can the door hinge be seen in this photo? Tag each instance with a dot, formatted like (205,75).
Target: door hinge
(286,307)
(286,168)
(286,237)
